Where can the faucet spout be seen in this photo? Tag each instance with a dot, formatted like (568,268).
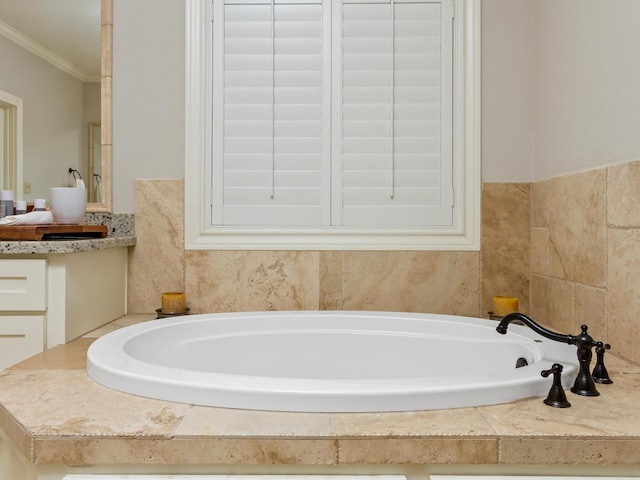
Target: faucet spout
(539,329)
(584,384)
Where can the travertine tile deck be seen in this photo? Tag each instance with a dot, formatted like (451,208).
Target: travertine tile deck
(55,414)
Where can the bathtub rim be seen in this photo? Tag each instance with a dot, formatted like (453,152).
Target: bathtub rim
(265,393)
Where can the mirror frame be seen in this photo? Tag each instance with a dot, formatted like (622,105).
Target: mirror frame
(106,147)
(12,133)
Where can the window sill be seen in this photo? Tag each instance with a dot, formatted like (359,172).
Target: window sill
(324,239)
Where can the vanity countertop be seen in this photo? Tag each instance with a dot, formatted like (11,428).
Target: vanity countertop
(22,247)
(120,231)
(55,414)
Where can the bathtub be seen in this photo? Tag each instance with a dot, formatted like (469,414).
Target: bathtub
(328,361)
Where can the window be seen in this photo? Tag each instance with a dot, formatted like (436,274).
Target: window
(332,124)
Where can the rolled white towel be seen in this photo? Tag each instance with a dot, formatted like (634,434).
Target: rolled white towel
(31,218)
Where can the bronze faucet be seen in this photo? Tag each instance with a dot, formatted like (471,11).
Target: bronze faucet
(584,384)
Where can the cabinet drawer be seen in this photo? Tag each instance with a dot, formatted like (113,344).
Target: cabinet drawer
(21,337)
(23,284)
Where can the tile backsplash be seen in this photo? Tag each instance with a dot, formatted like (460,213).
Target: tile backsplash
(439,282)
(568,248)
(585,254)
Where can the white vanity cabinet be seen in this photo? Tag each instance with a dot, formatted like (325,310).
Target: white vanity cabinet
(50,299)
(23,305)
(86,290)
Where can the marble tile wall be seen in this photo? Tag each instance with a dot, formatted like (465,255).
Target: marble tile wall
(568,247)
(585,254)
(506,242)
(440,282)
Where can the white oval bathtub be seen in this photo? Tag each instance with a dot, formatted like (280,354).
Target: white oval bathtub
(327,361)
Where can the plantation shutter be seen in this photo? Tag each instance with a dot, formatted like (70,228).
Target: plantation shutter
(270,137)
(336,116)
(396,163)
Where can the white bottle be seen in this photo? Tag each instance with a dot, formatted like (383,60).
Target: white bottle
(21,207)
(6,199)
(39,205)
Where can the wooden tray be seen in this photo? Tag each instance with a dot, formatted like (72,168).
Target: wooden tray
(51,231)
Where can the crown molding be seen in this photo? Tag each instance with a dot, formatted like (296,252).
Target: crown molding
(44,53)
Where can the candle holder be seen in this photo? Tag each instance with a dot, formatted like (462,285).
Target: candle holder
(161,314)
(173,304)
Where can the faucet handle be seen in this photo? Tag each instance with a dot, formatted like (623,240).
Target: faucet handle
(556,397)
(600,374)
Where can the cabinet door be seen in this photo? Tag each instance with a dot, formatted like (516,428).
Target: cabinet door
(21,336)
(23,284)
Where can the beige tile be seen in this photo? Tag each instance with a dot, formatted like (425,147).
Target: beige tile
(577,227)
(540,250)
(431,423)
(223,281)
(184,451)
(506,242)
(61,357)
(331,274)
(106,50)
(120,323)
(436,282)
(106,133)
(618,365)
(623,308)
(418,451)
(156,263)
(107,168)
(552,303)
(614,413)
(18,435)
(56,415)
(106,12)
(226,422)
(540,203)
(67,402)
(623,194)
(591,310)
(546,451)
(538,300)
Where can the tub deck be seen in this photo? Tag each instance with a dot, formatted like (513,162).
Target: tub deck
(54,414)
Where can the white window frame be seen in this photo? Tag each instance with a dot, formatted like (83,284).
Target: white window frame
(465,233)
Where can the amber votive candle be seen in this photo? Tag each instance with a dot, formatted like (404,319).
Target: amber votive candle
(504,305)
(174,302)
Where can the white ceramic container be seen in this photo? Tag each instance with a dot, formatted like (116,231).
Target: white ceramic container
(67,204)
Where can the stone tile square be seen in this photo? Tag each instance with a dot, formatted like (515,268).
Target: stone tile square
(156,263)
(440,423)
(623,194)
(232,281)
(578,226)
(227,422)
(435,282)
(418,451)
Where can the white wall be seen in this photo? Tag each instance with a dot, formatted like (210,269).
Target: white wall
(587,97)
(560,89)
(507,86)
(53,110)
(148,94)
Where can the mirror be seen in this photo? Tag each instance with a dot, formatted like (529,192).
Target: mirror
(95,168)
(54,140)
